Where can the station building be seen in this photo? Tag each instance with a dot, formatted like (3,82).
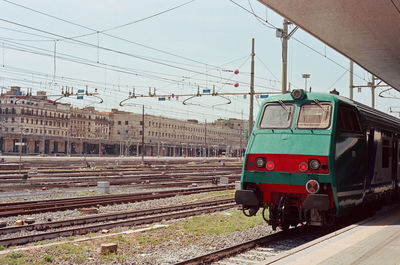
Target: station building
(48,127)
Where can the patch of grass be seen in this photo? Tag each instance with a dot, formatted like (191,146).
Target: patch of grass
(3,247)
(213,195)
(15,258)
(218,223)
(43,242)
(146,239)
(119,258)
(71,253)
(15,254)
(48,258)
(70,249)
(120,238)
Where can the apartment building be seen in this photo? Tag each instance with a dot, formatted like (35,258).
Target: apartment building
(50,127)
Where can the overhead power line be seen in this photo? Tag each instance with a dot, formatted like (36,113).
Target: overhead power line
(96,31)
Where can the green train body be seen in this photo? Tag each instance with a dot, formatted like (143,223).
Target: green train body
(314,157)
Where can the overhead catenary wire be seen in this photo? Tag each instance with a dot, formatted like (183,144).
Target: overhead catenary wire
(119,52)
(271,26)
(96,31)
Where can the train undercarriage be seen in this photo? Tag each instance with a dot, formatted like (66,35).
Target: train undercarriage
(285,210)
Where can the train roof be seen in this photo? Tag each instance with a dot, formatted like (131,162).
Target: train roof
(373,115)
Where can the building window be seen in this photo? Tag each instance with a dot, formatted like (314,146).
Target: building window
(126,122)
(119,122)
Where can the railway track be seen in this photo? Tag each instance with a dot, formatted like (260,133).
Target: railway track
(32,207)
(115,180)
(78,172)
(257,250)
(108,221)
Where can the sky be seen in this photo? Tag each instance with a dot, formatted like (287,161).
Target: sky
(168,47)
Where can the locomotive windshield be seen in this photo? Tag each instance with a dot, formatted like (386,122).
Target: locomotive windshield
(277,116)
(314,116)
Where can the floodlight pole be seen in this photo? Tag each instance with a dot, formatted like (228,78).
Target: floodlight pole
(142,133)
(20,153)
(285,38)
(351,85)
(251,88)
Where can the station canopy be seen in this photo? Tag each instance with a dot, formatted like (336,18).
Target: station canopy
(367,32)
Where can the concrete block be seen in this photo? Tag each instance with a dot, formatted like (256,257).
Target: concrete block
(108,248)
(104,186)
(237,185)
(223,181)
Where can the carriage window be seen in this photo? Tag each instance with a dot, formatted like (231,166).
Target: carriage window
(348,120)
(314,116)
(385,153)
(277,116)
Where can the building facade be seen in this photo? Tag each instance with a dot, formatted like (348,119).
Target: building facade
(48,127)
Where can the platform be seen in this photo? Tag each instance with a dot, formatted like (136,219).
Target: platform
(373,241)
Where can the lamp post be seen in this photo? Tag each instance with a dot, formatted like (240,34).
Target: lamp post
(306,76)
(20,145)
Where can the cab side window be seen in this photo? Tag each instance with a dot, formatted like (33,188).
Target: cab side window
(348,120)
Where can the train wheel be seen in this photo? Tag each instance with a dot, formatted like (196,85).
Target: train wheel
(329,218)
(284,226)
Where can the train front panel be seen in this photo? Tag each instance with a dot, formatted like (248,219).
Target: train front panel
(289,165)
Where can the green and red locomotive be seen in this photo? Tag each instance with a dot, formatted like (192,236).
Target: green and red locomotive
(313,157)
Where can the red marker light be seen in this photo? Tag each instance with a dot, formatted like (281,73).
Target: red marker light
(303,166)
(270,165)
(236,71)
(236,85)
(173,95)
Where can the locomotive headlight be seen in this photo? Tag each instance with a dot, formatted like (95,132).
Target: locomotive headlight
(298,94)
(314,164)
(260,162)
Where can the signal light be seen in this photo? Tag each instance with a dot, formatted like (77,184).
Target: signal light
(236,71)
(303,166)
(236,85)
(270,165)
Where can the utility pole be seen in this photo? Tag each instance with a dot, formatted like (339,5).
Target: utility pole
(351,85)
(142,133)
(99,135)
(68,135)
(20,152)
(373,92)
(251,88)
(285,38)
(44,140)
(241,136)
(205,139)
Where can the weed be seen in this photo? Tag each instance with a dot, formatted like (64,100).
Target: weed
(49,258)
(15,254)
